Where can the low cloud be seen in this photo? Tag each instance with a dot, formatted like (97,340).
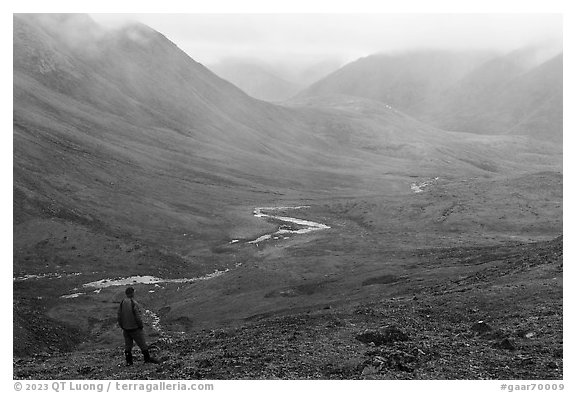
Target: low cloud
(209,38)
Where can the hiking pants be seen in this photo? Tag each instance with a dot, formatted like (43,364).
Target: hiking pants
(132,335)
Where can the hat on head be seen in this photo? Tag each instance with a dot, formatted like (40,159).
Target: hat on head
(129,291)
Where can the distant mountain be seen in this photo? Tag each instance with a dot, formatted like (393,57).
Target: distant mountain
(407,81)
(305,74)
(506,95)
(272,80)
(516,93)
(256,80)
(542,116)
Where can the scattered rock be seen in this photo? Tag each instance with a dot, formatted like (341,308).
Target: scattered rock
(369,370)
(366,311)
(393,360)
(85,370)
(204,363)
(385,335)
(496,334)
(506,343)
(481,327)
(525,333)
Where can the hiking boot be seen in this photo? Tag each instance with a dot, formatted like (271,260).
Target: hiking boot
(129,360)
(148,358)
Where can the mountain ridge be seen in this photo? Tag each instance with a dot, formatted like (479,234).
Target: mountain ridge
(451,90)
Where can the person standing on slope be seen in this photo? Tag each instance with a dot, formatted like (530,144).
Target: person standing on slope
(130,320)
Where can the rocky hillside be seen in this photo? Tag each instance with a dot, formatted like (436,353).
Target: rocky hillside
(502,322)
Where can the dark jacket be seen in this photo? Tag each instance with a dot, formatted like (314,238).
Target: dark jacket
(129,314)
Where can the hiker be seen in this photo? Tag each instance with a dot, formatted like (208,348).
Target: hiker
(130,320)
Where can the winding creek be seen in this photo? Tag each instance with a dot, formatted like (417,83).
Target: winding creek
(150,280)
(288,226)
(133,280)
(304,226)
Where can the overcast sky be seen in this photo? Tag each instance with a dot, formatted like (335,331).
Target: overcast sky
(310,37)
